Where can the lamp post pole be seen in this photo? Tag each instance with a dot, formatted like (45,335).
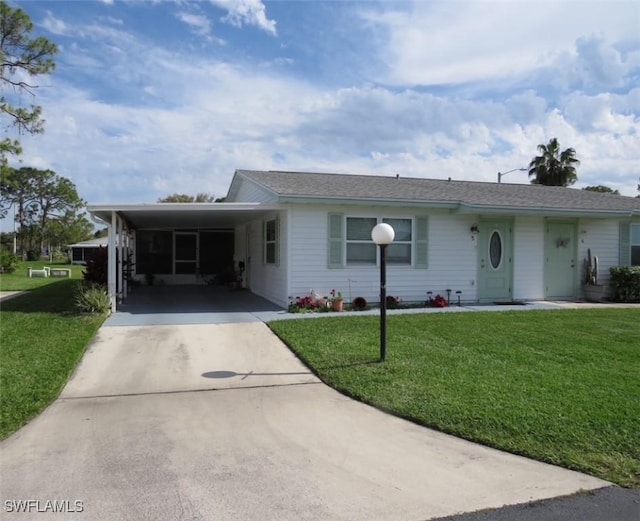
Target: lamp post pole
(501,174)
(383,235)
(383,302)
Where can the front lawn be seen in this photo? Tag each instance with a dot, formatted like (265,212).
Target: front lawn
(20,281)
(42,340)
(558,386)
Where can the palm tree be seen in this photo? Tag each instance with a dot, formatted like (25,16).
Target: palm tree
(552,167)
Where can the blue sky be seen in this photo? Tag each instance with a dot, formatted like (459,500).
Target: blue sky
(155,97)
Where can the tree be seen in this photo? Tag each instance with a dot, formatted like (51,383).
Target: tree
(102,232)
(69,229)
(23,57)
(552,167)
(42,198)
(184,198)
(602,189)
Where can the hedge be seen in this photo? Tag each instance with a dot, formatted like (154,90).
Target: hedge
(625,282)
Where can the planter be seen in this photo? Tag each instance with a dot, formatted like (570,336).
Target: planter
(594,293)
(337,305)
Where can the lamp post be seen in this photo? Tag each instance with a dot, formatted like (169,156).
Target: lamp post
(500,174)
(383,234)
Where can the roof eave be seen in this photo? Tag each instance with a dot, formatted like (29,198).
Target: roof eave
(465,208)
(307,199)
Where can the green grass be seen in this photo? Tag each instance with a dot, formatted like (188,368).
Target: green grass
(558,386)
(42,340)
(20,281)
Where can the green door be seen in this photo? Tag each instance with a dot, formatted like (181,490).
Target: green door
(495,261)
(560,261)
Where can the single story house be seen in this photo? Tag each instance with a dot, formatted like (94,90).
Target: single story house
(286,233)
(80,252)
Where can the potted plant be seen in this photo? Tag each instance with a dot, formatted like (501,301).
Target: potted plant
(359,304)
(593,292)
(336,301)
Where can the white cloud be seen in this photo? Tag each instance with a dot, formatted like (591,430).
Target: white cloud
(186,122)
(55,25)
(456,42)
(198,23)
(246,12)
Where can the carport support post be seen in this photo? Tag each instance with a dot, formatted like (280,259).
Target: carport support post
(111,261)
(120,246)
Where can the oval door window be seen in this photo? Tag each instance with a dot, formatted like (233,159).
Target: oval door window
(495,250)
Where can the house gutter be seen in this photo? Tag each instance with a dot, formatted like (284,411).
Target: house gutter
(546,211)
(458,207)
(367,201)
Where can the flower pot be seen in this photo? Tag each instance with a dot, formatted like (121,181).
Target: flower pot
(594,293)
(337,305)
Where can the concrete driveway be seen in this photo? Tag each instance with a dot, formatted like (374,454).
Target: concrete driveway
(222,422)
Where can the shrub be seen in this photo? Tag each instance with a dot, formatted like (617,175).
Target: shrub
(96,270)
(393,302)
(438,302)
(92,298)
(308,303)
(625,282)
(359,304)
(8,262)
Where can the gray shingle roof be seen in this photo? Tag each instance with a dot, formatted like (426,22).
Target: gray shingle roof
(471,193)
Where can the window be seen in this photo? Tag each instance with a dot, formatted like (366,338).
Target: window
(154,252)
(271,242)
(399,251)
(361,250)
(495,249)
(629,242)
(635,245)
(349,240)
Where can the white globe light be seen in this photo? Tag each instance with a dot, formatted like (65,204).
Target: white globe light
(382,234)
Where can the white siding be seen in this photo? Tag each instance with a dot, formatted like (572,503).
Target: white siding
(528,258)
(452,257)
(601,235)
(250,192)
(266,280)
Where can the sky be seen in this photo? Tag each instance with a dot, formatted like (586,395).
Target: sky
(151,98)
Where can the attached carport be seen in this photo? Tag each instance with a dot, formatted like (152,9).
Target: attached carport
(182,220)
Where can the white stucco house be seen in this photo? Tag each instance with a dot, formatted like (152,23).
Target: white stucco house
(293,231)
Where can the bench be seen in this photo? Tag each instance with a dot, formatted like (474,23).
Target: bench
(50,272)
(44,272)
(59,272)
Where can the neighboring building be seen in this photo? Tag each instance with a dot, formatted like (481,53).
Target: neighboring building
(80,252)
(293,232)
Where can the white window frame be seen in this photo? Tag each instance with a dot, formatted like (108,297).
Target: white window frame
(409,242)
(379,220)
(273,242)
(348,241)
(633,244)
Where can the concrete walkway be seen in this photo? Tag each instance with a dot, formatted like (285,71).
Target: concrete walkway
(221,421)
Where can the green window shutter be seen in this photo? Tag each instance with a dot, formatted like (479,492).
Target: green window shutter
(277,252)
(422,243)
(624,256)
(336,241)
